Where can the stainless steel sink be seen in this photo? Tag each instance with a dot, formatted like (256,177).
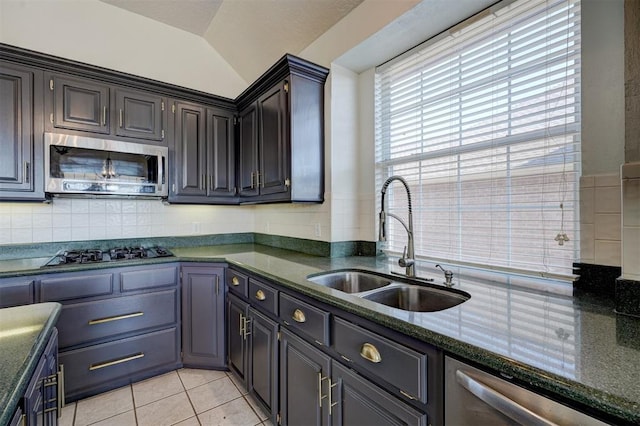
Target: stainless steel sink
(396,292)
(417,298)
(350,281)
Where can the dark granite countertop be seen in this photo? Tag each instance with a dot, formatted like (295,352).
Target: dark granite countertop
(24,332)
(535,330)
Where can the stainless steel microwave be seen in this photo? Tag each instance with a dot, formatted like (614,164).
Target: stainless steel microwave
(93,166)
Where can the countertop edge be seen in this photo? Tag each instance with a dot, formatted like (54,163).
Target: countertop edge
(20,385)
(604,402)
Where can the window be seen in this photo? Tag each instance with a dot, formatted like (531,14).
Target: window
(483,122)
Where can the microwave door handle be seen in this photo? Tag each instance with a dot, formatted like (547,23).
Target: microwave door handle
(500,402)
(161,165)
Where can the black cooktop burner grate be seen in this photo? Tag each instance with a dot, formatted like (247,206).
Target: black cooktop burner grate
(71,257)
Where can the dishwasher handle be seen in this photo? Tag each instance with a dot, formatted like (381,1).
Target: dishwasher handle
(500,402)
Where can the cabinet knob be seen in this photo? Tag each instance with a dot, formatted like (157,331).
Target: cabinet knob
(260,295)
(298,316)
(235,281)
(370,353)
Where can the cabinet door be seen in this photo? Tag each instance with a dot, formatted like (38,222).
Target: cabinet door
(263,359)
(220,154)
(273,140)
(190,150)
(203,316)
(41,396)
(19,418)
(16,128)
(304,384)
(237,312)
(139,115)
(360,402)
(79,104)
(248,151)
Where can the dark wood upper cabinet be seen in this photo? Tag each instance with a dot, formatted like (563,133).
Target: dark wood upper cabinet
(266,146)
(21,167)
(281,143)
(140,115)
(90,106)
(248,151)
(204,155)
(274,172)
(221,170)
(190,151)
(79,104)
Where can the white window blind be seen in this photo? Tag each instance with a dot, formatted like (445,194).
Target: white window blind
(483,122)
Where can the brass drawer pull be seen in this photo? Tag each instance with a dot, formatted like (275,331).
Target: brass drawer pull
(260,295)
(370,353)
(93,367)
(115,318)
(407,395)
(298,316)
(235,281)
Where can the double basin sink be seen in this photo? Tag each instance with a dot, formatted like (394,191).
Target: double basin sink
(400,293)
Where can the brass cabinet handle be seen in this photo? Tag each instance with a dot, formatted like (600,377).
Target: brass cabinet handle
(120,118)
(320,396)
(260,295)
(235,281)
(104,115)
(115,318)
(243,324)
(252,175)
(370,353)
(61,401)
(93,367)
(298,316)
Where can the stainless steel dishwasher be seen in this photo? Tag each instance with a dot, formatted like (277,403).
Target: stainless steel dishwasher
(474,397)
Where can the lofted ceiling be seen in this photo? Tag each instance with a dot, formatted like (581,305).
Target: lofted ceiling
(249,34)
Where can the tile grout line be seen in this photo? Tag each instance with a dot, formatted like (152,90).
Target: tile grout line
(133,402)
(188,397)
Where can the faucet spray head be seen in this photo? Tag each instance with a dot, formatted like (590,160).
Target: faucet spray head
(382,232)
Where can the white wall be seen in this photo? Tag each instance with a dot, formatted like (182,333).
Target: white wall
(602,86)
(100,34)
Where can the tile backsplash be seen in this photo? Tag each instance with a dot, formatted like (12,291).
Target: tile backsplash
(77,219)
(631,221)
(600,220)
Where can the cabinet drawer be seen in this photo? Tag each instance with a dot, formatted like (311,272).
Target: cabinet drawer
(237,283)
(15,293)
(97,365)
(263,296)
(73,287)
(148,278)
(89,321)
(306,318)
(396,364)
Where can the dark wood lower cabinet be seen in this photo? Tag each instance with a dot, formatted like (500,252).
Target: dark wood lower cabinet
(237,312)
(358,402)
(263,359)
(304,384)
(203,317)
(117,325)
(40,401)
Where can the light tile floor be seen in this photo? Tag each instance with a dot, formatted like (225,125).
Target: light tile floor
(184,397)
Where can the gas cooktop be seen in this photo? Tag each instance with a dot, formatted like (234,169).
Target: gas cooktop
(74,257)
